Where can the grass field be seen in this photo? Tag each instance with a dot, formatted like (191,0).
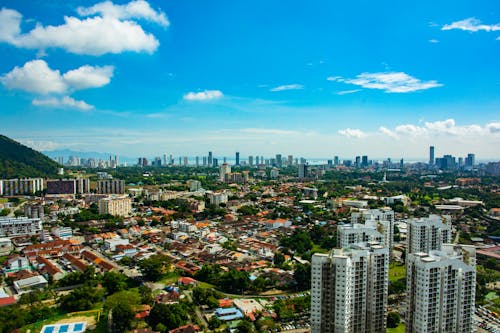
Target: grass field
(396,271)
(399,329)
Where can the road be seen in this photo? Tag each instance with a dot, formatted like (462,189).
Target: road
(197,310)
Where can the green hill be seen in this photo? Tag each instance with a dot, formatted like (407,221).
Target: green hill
(17,160)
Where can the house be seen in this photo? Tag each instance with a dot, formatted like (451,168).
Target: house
(17,263)
(187,281)
(5,299)
(34,282)
(48,268)
(186,329)
(5,246)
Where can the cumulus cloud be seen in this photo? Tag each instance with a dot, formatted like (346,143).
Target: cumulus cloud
(91,36)
(352,133)
(9,24)
(89,77)
(63,102)
(206,95)
(335,78)
(294,86)
(392,82)
(471,24)
(446,127)
(388,132)
(433,41)
(135,9)
(37,77)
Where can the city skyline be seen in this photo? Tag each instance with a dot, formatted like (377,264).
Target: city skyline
(190,77)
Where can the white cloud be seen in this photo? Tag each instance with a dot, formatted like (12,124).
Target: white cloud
(446,127)
(9,24)
(493,127)
(392,82)
(388,132)
(335,78)
(345,92)
(63,102)
(89,77)
(203,95)
(37,77)
(40,145)
(135,9)
(471,24)
(352,133)
(433,41)
(91,36)
(294,86)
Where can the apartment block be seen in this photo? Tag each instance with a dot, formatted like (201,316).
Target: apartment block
(441,290)
(427,234)
(19,226)
(111,186)
(349,289)
(115,205)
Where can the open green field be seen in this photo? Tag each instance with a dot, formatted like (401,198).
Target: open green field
(396,271)
(399,329)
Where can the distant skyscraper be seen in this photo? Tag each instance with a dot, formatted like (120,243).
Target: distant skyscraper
(250,160)
(364,161)
(349,289)
(358,161)
(197,161)
(185,161)
(210,159)
(237,158)
(204,161)
(431,155)
(215,162)
(290,160)
(257,160)
(440,289)
(302,170)
(279,160)
(470,160)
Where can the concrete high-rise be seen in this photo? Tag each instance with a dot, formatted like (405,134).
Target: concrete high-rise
(302,170)
(250,160)
(440,289)
(237,157)
(381,220)
(431,155)
(210,159)
(224,170)
(427,234)
(352,233)
(349,289)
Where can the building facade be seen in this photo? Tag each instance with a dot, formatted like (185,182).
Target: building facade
(17,186)
(349,289)
(427,234)
(111,186)
(19,226)
(441,290)
(115,205)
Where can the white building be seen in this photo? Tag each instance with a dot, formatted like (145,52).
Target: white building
(218,198)
(63,232)
(441,290)
(19,226)
(349,289)
(194,185)
(426,234)
(380,219)
(115,205)
(5,246)
(352,233)
(21,186)
(224,169)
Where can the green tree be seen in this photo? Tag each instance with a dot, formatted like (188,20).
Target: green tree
(170,315)
(278,259)
(393,319)
(155,266)
(245,326)
(214,322)
(114,282)
(123,314)
(80,299)
(302,276)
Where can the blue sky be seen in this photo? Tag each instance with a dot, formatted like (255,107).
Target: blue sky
(309,78)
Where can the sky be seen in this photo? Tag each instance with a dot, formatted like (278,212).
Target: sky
(308,78)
